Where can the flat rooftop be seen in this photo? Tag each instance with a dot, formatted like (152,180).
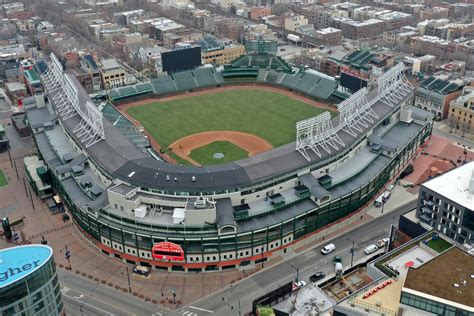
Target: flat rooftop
(454,185)
(439,276)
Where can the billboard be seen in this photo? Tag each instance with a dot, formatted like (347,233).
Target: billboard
(21,261)
(181,59)
(168,251)
(351,82)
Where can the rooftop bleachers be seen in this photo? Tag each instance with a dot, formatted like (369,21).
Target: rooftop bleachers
(125,127)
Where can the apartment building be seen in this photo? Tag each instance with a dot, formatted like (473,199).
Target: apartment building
(461,111)
(293,21)
(217,52)
(256,13)
(112,74)
(329,35)
(445,203)
(435,94)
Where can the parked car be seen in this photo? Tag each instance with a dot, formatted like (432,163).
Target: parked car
(317,276)
(370,249)
(141,270)
(328,249)
(298,285)
(382,242)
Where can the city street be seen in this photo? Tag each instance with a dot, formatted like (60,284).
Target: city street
(307,263)
(85,297)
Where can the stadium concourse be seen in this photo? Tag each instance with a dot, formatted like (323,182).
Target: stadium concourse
(143,210)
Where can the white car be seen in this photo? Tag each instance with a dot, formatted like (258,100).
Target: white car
(328,248)
(298,285)
(382,242)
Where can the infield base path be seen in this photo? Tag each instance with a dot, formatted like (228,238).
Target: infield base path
(248,142)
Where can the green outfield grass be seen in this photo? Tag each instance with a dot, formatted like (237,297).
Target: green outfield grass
(204,154)
(3,179)
(266,114)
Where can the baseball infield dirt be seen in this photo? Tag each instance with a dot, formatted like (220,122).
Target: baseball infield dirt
(248,142)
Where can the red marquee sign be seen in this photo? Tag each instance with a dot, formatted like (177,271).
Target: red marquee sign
(168,251)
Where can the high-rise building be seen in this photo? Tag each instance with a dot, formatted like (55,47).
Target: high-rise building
(29,282)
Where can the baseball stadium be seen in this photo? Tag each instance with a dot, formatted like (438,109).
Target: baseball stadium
(221,168)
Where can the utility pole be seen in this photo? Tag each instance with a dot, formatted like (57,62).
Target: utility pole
(129,285)
(352,253)
(67,254)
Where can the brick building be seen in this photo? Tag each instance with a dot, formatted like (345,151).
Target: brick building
(256,13)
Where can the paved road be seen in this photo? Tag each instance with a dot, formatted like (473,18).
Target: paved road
(84,297)
(450,136)
(307,263)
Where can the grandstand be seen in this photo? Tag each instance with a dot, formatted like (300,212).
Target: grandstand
(312,83)
(262,68)
(186,80)
(127,91)
(125,127)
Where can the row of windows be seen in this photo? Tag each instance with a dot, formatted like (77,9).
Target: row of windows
(431,306)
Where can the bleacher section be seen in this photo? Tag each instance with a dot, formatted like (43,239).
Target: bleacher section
(263,61)
(187,80)
(127,91)
(125,127)
(231,72)
(184,80)
(309,82)
(312,83)
(164,85)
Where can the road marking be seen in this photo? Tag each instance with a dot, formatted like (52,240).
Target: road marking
(201,309)
(79,297)
(64,289)
(84,303)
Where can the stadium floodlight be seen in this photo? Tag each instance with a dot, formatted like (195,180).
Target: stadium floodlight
(393,86)
(315,133)
(356,113)
(64,95)
(90,129)
(304,136)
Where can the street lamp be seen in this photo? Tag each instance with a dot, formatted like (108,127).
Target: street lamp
(297,272)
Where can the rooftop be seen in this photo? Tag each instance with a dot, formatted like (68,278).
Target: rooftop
(439,85)
(454,185)
(455,266)
(21,256)
(109,64)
